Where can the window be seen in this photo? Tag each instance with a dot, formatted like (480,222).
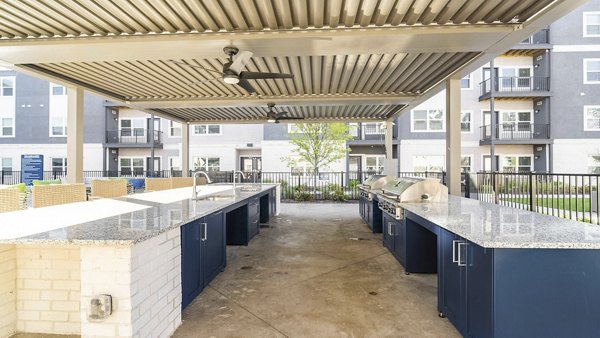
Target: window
(465,121)
(374,128)
(515,121)
(374,163)
(517,164)
(207,129)
(174,163)
(301,168)
(57,89)
(517,77)
(6,164)
(207,163)
(465,82)
(465,163)
(133,128)
(431,120)
(58,126)
(591,117)
(59,165)
(431,163)
(591,71)
(594,164)
(352,129)
(7,86)
(131,165)
(8,127)
(591,24)
(174,129)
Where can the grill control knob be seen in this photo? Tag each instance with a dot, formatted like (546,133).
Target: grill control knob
(425,197)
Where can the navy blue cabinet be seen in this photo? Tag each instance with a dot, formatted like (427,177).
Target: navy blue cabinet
(388,232)
(452,279)
(202,254)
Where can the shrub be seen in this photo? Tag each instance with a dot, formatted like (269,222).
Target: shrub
(303,196)
(353,184)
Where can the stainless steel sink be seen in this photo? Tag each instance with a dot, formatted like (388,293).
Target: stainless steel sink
(216,198)
(249,188)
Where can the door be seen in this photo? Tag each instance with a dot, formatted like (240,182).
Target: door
(486,78)
(400,242)
(452,279)
(487,163)
(354,167)
(248,164)
(480,290)
(191,262)
(213,246)
(487,124)
(154,170)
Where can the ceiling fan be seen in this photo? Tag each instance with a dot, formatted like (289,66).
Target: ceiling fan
(232,71)
(275,117)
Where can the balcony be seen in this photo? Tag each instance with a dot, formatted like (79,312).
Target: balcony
(516,133)
(368,132)
(515,87)
(532,45)
(136,138)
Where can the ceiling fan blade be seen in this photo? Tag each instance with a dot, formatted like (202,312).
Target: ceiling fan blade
(260,75)
(194,66)
(205,81)
(291,118)
(247,86)
(240,61)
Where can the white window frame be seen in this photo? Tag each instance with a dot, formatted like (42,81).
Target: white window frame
(470,78)
(470,112)
(14,85)
(470,157)
(589,166)
(170,162)
(174,126)
(585,118)
(131,167)
(585,70)
(379,160)
(207,127)
(132,128)
(516,76)
(428,130)
(427,169)
(379,128)
(54,85)
(2,126)
(63,126)
(206,158)
(63,166)
(504,156)
(12,168)
(585,24)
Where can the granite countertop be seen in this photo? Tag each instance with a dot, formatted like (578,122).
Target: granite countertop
(129,228)
(494,226)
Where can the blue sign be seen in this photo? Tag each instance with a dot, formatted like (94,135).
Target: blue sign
(32,168)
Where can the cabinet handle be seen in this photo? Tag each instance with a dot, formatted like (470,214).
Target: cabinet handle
(390,229)
(454,259)
(205,235)
(460,262)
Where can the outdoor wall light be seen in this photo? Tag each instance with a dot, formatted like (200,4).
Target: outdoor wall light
(537,157)
(100,308)
(536,66)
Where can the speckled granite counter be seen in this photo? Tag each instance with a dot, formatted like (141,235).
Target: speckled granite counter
(130,228)
(494,226)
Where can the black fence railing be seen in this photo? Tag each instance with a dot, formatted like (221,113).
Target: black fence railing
(134,136)
(516,131)
(515,84)
(572,196)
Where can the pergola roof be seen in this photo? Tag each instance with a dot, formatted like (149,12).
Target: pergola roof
(352,60)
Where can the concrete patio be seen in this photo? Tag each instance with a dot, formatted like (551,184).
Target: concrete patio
(316,270)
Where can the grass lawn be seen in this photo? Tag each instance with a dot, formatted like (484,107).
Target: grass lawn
(555,202)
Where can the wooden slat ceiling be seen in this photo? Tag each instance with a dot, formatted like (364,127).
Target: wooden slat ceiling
(308,112)
(20,19)
(314,75)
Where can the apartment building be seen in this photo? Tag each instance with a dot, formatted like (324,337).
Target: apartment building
(546,102)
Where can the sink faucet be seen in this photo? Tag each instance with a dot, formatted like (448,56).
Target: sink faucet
(235,172)
(194,192)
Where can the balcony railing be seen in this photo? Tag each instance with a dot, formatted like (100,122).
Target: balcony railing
(136,136)
(368,131)
(516,131)
(541,37)
(516,84)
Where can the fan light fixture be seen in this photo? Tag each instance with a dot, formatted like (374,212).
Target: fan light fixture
(231,79)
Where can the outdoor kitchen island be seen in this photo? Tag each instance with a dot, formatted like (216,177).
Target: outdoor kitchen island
(505,272)
(136,255)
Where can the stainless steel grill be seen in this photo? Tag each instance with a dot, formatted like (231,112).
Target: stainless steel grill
(374,184)
(410,189)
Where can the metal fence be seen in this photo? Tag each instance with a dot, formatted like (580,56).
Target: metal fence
(572,196)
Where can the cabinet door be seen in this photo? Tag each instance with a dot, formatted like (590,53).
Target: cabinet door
(388,232)
(213,246)
(479,290)
(191,262)
(369,212)
(400,241)
(452,279)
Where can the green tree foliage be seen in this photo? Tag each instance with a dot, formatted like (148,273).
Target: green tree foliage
(318,144)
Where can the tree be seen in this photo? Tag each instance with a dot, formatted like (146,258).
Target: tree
(318,144)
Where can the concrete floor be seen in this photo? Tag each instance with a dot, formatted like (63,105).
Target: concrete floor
(308,276)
